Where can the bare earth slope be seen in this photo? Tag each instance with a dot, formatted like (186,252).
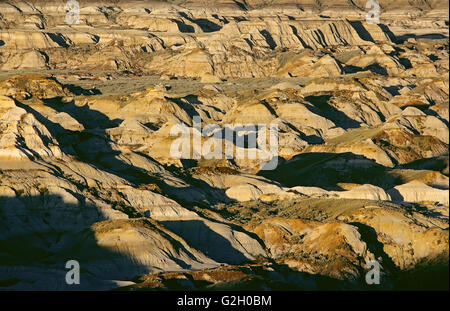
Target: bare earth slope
(87,172)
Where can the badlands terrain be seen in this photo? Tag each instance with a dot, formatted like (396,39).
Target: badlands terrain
(87,173)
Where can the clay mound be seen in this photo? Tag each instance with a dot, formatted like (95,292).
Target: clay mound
(25,138)
(407,241)
(300,66)
(144,242)
(431,178)
(32,59)
(417,191)
(305,246)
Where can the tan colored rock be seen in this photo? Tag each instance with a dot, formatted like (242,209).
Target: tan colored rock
(407,241)
(417,191)
(32,59)
(6,103)
(311,67)
(25,86)
(24,138)
(208,78)
(367,192)
(87,170)
(366,148)
(311,191)
(310,246)
(244,192)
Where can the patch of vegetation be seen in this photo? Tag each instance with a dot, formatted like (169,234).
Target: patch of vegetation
(43,190)
(19,192)
(80,186)
(124,208)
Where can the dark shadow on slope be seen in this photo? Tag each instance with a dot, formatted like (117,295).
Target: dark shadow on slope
(220,18)
(199,236)
(310,139)
(269,39)
(184,28)
(365,34)
(239,19)
(425,276)
(93,146)
(250,44)
(369,236)
(395,195)
(58,39)
(394,89)
(35,245)
(375,68)
(240,5)
(431,36)
(388,32)
(361,31)
(431,112)
(320,38)
(327,170)
(433,57)
(204,24)
(199,192)
(405,62)
(295,31)
(239,137)
(186,103)
(77,90)
(90,145)
(322,108)
(207,25)
(89,118)
(252,278)
(440,164)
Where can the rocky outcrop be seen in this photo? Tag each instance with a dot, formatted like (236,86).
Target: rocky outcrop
(93,166)
(25,138)
(200,43)
(306,245)
(407,239)
(417,191)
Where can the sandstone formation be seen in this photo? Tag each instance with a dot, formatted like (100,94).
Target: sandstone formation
(357,171)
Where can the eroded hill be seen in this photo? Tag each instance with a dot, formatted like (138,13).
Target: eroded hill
(87,172)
